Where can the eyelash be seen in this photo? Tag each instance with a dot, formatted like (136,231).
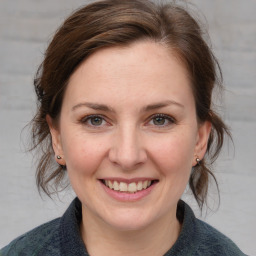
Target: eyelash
(88,118)
(85,120)
(170,120)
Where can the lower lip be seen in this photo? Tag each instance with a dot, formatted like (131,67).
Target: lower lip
(123,196)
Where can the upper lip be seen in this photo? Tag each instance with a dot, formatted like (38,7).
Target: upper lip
(119,179)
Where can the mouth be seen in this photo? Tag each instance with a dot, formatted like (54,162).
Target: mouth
(128,187)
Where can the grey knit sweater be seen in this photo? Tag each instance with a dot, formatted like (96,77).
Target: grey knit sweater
(61,237)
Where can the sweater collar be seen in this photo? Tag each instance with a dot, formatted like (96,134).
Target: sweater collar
(71,242)
(187,240)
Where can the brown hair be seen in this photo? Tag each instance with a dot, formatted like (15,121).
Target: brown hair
(121,22)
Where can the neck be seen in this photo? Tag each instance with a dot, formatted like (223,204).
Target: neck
(102,239)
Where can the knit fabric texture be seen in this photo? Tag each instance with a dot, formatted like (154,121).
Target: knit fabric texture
(61,237)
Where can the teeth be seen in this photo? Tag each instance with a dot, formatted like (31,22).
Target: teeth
(132,187)
(139,186)
(110,185)
(125,187)
(116,185)
(145,184)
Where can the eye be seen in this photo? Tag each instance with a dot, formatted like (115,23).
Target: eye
(94,120)
(161,120)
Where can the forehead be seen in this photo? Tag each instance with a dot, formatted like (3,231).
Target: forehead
(142,69)
(137,54)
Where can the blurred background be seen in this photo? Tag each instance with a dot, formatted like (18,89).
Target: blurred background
(26,27)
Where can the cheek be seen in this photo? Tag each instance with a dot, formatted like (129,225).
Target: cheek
(83,155)
(174,155)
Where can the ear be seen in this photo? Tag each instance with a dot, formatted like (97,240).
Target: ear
(203,134)
(56,141)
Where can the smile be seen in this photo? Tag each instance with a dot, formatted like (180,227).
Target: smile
(132,187)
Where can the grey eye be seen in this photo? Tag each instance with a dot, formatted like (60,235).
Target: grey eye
(96,121)
(159,120)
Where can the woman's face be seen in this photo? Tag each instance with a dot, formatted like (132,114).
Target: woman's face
(128,134)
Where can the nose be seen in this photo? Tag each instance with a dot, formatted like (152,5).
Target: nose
(127,150)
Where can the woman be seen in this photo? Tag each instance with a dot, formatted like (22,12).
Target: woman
(124,109)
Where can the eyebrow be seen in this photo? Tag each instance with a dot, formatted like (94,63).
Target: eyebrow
(106,108)
(94,106)
(162,105)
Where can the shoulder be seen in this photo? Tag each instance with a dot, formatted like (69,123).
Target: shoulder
(43,240)
(198,238)
(214,241)
(55,238)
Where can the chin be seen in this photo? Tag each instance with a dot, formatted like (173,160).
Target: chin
(129,225)
(129,220)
